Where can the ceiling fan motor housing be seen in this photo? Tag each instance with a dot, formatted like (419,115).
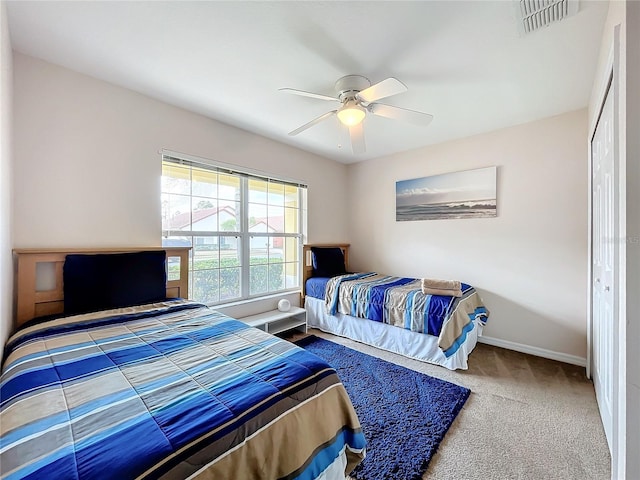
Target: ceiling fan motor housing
(347,87)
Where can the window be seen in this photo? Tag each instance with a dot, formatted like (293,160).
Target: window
(245,230)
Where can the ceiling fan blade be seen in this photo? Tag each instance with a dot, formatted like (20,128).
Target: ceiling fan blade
(312,123)
(356,132)
(397,113)
(302,93)
(385,88)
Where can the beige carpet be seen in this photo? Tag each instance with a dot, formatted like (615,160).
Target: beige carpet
(526,418)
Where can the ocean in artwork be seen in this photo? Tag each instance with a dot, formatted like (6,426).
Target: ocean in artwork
(438,211)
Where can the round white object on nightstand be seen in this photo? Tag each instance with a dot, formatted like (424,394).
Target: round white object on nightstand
(284,305)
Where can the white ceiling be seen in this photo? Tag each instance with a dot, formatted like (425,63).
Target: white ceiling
(463,61)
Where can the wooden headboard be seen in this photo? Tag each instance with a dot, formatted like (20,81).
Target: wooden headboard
(307,265)
(33,301)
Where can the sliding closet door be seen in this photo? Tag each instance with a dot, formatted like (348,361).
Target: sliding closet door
(605,252)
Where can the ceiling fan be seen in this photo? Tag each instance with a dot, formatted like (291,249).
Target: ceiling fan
(358,97)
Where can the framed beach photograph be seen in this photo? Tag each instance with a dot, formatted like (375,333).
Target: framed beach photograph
(467,194)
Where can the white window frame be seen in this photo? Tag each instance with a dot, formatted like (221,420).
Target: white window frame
(243,235)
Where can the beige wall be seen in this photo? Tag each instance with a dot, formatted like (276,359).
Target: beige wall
(529,263)
(87,168)
(6,262)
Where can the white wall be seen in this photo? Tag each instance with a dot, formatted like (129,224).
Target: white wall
(6,261)
(87,169)
(528,263)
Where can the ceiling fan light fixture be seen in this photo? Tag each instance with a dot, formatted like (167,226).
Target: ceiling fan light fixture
(351,113)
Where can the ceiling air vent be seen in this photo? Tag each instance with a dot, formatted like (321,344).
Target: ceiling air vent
(535,14)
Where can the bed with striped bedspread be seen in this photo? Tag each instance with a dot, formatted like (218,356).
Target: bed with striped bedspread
(399,301)
(169,390)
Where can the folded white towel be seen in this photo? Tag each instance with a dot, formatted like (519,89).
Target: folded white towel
(433,286)
(441,284)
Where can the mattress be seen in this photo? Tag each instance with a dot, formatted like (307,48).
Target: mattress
(399,301)
(171,390)
(387,337)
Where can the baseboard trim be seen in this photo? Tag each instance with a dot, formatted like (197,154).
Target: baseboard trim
(537,351)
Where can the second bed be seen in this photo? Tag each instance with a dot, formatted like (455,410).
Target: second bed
(389,312)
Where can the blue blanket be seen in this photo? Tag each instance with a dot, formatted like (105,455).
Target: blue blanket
(399,301)
(170,389)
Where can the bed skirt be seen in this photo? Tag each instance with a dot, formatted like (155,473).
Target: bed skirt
(387,337)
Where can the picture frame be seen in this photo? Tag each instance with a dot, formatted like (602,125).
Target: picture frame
(455,195)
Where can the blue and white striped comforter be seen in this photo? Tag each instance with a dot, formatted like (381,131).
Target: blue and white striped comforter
(399,301)
(172,389)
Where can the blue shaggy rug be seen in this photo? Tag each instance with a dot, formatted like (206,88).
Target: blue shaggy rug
(404,414)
